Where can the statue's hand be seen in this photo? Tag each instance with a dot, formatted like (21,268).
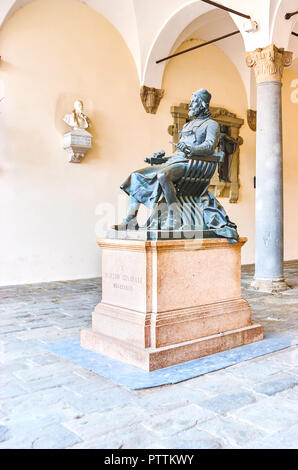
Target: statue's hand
(184,148)
(155,160)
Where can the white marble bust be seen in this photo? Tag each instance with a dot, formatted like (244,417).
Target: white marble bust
(77,119)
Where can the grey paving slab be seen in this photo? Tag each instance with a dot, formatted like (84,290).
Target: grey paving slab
(286,439)
(49,437)
(20,347)
(4,433)
(49,333)
(34,423)
(44,359)
(180,419)
(226,402)
(291,394)
(102,400)
(98,424)
(55,437)
(52,382)
(256,371)
(214,383)
(288,357)
(11,389)
(44,397)
(276,385)
(26,405)
(168,398)
(269,414)
(234,434)
(133,437)
(85,387)
(46,371)
(190,440)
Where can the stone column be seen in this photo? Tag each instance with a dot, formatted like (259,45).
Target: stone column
(268,64)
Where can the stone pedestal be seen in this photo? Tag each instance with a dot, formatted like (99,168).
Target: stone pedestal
(77,142)
(167,302)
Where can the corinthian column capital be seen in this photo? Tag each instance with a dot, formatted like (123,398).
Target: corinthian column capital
(268,63)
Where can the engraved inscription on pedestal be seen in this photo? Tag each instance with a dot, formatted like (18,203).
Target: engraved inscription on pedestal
(123,281)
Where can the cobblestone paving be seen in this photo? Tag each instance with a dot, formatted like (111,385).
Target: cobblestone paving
(48,402)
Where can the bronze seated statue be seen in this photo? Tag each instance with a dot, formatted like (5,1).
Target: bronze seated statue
(176,187)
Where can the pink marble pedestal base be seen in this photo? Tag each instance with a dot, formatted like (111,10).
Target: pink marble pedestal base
(171,301)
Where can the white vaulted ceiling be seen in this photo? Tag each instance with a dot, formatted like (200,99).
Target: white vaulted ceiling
(152,29)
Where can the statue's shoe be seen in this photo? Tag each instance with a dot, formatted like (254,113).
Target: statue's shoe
(152,225)
(126,225)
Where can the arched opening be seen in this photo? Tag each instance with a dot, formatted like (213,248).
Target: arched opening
(112,11)
(195,21)
(53,53)
(281,28)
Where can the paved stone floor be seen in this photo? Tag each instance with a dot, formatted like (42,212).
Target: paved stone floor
(48,402)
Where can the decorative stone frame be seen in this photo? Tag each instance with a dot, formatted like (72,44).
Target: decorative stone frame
(224,118)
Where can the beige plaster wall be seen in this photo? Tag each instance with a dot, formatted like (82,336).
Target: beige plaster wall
(290,130)
(53,52)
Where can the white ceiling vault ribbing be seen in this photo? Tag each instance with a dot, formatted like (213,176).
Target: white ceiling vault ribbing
(153,29)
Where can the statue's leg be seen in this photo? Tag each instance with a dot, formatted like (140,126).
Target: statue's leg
(133,209)
(130,221)
(167,177)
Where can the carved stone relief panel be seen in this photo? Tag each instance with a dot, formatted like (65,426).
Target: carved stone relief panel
(151,98)
(229,124)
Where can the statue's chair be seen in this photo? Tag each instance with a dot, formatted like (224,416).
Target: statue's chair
(191,188)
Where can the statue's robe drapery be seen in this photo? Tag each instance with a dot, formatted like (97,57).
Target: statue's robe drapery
(201,134)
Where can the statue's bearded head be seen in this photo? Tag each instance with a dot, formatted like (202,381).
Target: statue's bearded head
(78,106)
(199,103)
